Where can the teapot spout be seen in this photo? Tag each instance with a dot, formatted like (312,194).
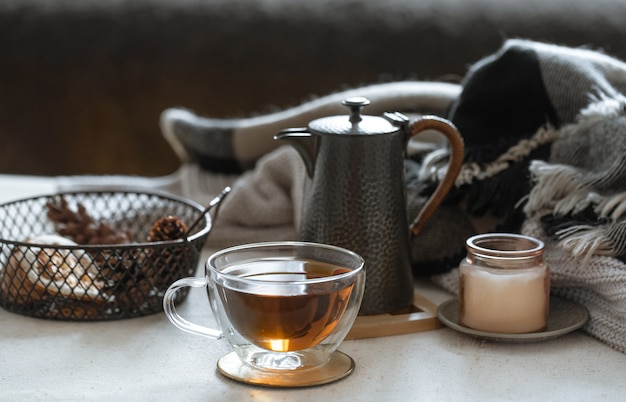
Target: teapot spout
(304,142)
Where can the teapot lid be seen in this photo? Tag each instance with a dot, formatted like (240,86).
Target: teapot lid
(358,124)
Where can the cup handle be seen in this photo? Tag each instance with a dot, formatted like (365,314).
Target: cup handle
(454,166)
(176,319)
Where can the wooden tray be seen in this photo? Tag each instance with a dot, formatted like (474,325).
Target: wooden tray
(422,316)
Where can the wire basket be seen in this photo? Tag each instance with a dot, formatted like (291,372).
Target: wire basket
(66,281)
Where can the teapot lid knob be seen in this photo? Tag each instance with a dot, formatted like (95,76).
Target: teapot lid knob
(356,103)
(358,124)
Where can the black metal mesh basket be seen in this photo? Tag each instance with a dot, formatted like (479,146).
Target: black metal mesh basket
(95,282)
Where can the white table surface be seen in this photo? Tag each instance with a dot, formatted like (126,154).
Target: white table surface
(148,359)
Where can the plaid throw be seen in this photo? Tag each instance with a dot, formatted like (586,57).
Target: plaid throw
(546,132)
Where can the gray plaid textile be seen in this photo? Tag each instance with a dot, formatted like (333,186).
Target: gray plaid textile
(570,186)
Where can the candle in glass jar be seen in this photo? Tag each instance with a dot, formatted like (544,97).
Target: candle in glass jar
(504,285)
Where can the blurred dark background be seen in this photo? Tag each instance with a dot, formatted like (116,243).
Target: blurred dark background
(83,82)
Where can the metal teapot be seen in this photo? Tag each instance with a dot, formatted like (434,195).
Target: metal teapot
(355,195)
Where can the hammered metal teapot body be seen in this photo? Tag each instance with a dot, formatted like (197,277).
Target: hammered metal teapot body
(355,195)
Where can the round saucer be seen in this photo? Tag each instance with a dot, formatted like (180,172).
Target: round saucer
(339,366)
(565,316)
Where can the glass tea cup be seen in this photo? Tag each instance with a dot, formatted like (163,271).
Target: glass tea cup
(284,308)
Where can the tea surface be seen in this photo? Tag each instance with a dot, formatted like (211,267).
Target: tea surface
(281,316)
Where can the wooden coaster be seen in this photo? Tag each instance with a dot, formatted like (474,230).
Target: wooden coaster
(339,366)
(422,316)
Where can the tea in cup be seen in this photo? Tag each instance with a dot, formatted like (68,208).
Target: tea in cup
(284,307)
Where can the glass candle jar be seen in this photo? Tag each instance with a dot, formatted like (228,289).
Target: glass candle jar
(504,285)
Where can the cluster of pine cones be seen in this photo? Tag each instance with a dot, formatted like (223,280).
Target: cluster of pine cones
(135,276)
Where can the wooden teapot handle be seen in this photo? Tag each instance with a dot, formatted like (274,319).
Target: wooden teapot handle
(454,166)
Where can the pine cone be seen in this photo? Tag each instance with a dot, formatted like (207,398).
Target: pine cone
(134,276)
(166,260)
(167,228)
(81,227)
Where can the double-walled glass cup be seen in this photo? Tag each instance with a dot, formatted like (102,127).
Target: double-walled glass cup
(284,307)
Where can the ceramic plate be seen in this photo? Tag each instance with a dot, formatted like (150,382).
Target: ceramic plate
(565,316)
